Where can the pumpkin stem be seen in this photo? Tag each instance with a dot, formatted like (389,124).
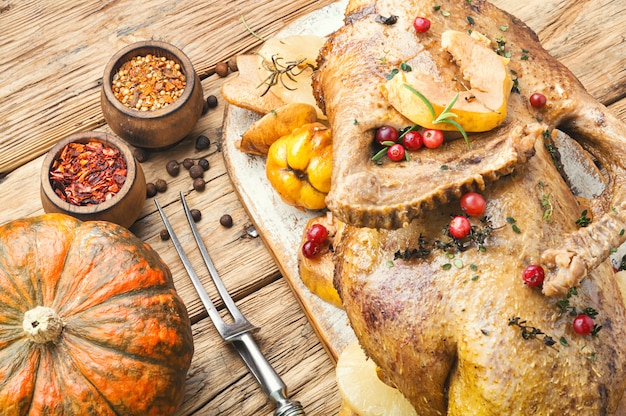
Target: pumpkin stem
(42,324)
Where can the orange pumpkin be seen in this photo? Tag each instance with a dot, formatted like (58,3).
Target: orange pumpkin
(90,322)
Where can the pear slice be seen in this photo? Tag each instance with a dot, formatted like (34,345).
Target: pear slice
(481,106)
(361,389)
(278,54)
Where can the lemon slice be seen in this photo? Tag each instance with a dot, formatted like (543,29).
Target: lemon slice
(362,390)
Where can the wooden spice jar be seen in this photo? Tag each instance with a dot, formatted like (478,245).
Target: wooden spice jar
(120,204)
(148,127)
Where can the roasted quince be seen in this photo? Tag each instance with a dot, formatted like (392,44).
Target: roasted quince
(316,272)
(483,93)
(299,166)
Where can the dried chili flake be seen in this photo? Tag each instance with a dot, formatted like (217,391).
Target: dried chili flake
(88,173)
(148,83)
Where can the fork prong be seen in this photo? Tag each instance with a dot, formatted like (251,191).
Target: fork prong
(202,293)
(238,332)
(219,284)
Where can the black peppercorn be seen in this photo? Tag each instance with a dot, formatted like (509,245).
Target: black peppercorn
(188,163)
(172,167)
(141,154)
(199,184)
(150,190)
(204,164)
(205,107)
(195,214)
(226,221)
(196,171)
(202,142)
(161,185)
(211,101)
(164,235)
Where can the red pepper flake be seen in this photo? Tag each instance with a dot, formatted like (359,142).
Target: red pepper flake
(148,83)
(88,173)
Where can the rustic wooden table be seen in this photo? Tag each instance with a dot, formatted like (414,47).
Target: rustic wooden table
(53,55)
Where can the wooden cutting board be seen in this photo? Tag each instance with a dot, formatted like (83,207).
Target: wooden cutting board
(281,225)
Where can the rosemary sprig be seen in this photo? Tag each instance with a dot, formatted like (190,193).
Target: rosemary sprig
(445,116)
(290,69)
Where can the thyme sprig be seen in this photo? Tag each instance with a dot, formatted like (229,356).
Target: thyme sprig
(530,332)
(278,70)
(446,116)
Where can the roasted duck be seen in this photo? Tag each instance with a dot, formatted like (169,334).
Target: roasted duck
(449,321)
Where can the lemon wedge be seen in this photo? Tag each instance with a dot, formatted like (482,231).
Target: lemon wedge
(362,390)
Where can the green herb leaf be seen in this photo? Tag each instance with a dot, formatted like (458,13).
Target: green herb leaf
(460,129)
(445,115)
(382,152)
(583,221)
(424,99)
(392,74)
(405,67)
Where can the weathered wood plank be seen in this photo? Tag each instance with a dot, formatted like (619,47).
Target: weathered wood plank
(50,83)
(219,383)
(53,54)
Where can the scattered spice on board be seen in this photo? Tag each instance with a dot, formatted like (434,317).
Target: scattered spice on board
(148,83)
(88,173)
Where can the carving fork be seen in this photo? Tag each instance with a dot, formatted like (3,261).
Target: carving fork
(239,332)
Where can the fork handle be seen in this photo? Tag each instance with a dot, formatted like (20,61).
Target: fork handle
(270,382)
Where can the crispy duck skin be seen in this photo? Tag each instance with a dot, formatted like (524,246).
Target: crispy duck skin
(439,327)
(441,334)
(352,68)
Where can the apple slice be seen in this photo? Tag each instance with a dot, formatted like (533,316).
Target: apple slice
(481,106)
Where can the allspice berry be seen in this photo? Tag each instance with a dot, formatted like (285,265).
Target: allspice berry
(161,185)
(150,190)
(226,221)
(141,154)
(202,142)
(232,64)
(188,163)
(195,214)
(221,69)
(204,164)
(196,171)
(199,184)
(172,167)
(164,235)
(211,101)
